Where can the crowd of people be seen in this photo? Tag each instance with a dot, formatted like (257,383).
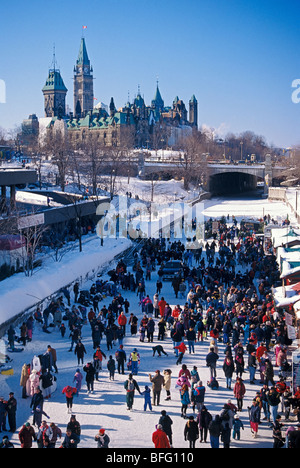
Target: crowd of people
(225,308)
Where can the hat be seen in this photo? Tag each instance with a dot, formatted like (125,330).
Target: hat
(101,431)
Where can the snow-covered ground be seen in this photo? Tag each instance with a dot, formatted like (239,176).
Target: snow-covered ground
(106,407)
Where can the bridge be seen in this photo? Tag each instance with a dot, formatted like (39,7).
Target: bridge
(221,177)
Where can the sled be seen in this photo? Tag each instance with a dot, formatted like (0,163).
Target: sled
(7,371)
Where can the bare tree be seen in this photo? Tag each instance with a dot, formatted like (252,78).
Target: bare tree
(57,144)
(192,164)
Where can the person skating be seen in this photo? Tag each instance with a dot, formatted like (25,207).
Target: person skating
(69,392)
(191,431)
(166,423)
(90,376)
(130,386)
(157,383)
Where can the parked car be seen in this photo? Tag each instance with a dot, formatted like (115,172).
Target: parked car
(172,269)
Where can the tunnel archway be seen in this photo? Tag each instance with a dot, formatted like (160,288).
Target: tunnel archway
(228,183)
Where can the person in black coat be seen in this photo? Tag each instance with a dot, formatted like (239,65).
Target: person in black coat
(90,376)
(191,431)
(11,409)
(211,362)
(121,359)
(71,440)
(80,351)
(204,419)
(166,423)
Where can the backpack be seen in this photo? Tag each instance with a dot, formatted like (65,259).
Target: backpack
(130,386)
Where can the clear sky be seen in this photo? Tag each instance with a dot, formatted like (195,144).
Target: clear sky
(239,57)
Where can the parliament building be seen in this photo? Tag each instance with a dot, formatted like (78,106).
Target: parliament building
(136,124)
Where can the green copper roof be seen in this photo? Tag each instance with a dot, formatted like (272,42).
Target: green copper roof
(54,82)
(139,101)
(92,122)
(83,58)
(158,100)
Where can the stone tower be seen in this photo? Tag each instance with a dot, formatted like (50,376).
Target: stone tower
(83,83)
(54,93)
(193,117)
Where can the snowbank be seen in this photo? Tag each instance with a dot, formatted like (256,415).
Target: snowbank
(19,292)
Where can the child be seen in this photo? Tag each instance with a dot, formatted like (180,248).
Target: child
(142,333)
(147,397)
(111,366)
(237,426)
(78,379)
(62,329)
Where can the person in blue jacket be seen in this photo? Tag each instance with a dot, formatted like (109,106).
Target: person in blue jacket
(147,398)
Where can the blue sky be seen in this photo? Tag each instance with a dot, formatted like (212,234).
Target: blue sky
(239,57)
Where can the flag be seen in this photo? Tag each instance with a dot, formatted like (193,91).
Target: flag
(84,27)
(95,99)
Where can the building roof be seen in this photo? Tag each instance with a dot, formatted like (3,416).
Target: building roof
(158,100)
(54,82)
(83,58)
(92,121)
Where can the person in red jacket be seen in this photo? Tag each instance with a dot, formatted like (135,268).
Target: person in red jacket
(69,392)
(122,321)
(162,305)
(182,349)
(160,438)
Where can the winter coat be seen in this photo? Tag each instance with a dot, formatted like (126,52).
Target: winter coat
(228,368)
(167,380)
(160,439)
(102,441)
(26,436)
(185,398)
(199,394)
(69,391)
(78,380)
(71,441)
(80,350)
(204,419)
(111,365)
(183,380)
(157,382)
(239,390)
(90,372)
(254,414)
(166,423)
(24,375)
(181,348)
(191,431)
(211,359)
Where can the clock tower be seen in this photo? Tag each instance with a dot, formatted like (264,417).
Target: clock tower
(83,83)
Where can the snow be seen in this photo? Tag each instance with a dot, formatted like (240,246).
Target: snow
(20,292)
(106,407)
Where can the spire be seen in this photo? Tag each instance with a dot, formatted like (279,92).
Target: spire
(83,58)
(158,102)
